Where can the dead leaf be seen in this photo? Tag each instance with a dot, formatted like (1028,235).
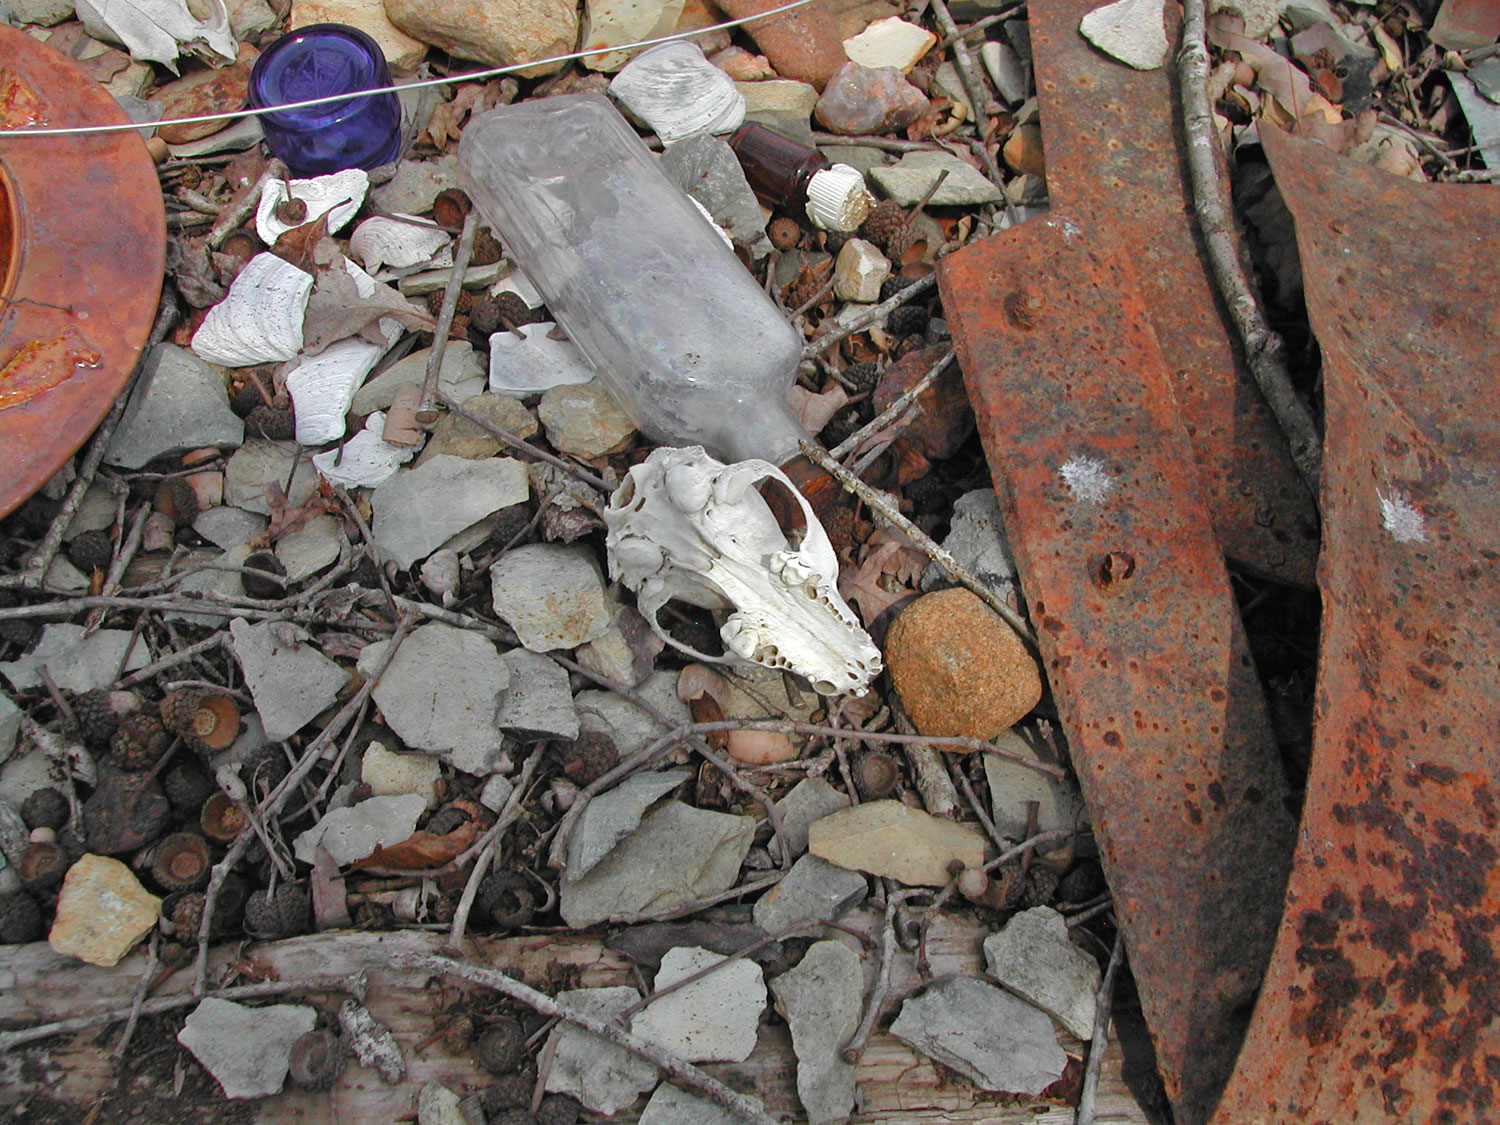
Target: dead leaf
(308,247)
(422,850)
(447,121)
(815,411)
(336,310)
(330,904)
(1290,88)
(886,578)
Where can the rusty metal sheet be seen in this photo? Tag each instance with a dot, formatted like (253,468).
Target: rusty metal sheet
(1382,1001)
(1137,624)
(82,254)
(1111,135)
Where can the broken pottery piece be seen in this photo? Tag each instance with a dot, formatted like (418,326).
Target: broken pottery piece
(605,1078)
(260,320)
(365,460)
(684,525)
(532,361)
(246,1049)
(712,1019)
(323,385)
(892,41)
(1129,30)
(1033,958)
(337,195)
(397,240)
(678,92)
(992,1038)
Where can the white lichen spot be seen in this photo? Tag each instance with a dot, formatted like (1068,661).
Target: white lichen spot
(1402,519)
(1087,478)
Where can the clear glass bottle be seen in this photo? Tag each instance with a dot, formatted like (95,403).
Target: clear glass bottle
(686,340)
(786,173)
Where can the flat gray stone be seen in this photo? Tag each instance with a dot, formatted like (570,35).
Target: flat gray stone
(312,547)
(811,799)
(672,1106)
(10,726)
(814,890)
(96,511)
(290,681)
(1004,67)
(441,693)
(227,528)
(552,596)
(460,376)
(216,578)
(713,1019)
(258,463)
(627,725)
(781,104)
(417,184)
(456,436)
(907,180)
(538,703)
(246,1049)
(179,403)
(994,1039)
(438,1105)
(605,1078)
(1033,957)
(705,167)
(353,832)
(613,815)
(584,420)
(822,999)
(418,509)
(77,662)
(860,157)
(625,652)
(976,539)
(677,855)
(1012,785)
(42,13)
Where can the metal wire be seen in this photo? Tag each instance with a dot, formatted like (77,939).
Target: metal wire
(449,80)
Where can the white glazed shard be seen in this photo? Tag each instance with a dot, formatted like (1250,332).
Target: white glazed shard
(683,525)
(678,92)
(323,385)
(534,362)
(401,241)
(365,460)
(337,195)
(1129,30)
(260,320)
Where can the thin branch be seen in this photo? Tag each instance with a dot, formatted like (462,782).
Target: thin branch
(1100,1041)
(870,316)
(894,411)
(426,413)
(855,1048)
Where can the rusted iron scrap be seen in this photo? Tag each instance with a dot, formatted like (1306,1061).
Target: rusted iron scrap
(82,254)
(1382,1000)
(1112,145)
(1103,507)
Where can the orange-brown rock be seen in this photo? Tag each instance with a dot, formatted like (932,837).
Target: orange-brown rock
(208,91)
(958,668)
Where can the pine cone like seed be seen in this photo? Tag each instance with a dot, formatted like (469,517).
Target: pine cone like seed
(285,912)
(97,719)
(513,307)
(186,914)
(862,376)
(884,220)
(558,1109)
(138,742)
(487,250)
(272,423)
(91,551)
(175,498)
(257,586)
(484,315)
(501,1047)
(45,808)
(20,919)
(19,631)
(907,320)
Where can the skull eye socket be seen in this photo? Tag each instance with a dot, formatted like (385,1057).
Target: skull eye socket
(787,511)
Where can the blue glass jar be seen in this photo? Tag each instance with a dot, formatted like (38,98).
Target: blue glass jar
(317,61)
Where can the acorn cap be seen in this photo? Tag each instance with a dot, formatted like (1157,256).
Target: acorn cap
(180,862)
(837,198)
(221,818)
(209,720)
(175,498)
(42,866)
(20,919)
(317,1059)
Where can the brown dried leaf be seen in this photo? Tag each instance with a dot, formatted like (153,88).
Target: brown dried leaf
(815,411)
(886,577)
(308,247)
(423,850)
(336,310)
(330,904)
(447,121)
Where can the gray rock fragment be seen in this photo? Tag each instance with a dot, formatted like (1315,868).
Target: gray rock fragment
(672,1106)
(256,464)
(416,510)
(218,578)
(76,660)
(227,528)
(705,167)
(907,180)
(811,799)
(352,833)
(416,184)
(460,375)
(976,539)
(1004,67)
(552,596)
(1033,957)
(613,815)
(677,855)
(245,1049)
(822,1000)
(814,890)
(441,693)
(712,1019)
(10,726)
(625,652)
(310,548)
(1013,785)
(537,703)
(994,1039)
(628,726)
(179,403)
(584,420)
(290,681)
(605,1078)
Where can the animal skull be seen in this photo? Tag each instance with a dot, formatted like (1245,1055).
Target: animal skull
(683,525)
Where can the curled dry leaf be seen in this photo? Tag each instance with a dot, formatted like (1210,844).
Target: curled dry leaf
(423,850)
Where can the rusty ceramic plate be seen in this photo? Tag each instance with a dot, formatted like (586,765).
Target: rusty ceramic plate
(82,255)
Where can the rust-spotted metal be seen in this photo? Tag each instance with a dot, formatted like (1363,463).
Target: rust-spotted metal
(1382,1001)
(1112,138)
(82,254)
(1164,715)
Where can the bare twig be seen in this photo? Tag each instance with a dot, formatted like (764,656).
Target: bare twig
(128,547)
(426,413)
(243,205)
(873,314)
(1265,352)
(855,1048)
(520,445)
(895,410)
(675,1068)
(1100,1041)
(142,986)
(181,656)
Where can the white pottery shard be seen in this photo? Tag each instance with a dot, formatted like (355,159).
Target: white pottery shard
(260,320)
(158,30)
(337,195)
(534,362)
(683,525)
(890,42)
(401,241)
(1129,30)
(678,92)
(366,459)
(323,385)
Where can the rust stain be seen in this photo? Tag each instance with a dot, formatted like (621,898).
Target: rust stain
(1103,506)
(1382,1001)
(20,105)
(40,365)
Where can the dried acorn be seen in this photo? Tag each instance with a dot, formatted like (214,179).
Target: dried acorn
(181,862)
(20,919)
(450,208)
(42,866)
(221,819)
(186,914)
(876,774)
(96,715)
(281,913)
(91,551)
(208,720)
(511,1091)
(317,1059)
(558,1109)
(487,249)
(138,742)
(507,899)
(45,808)
(501,1047)
(267,586)
(187,786)
(514,1117)
(275,423)
(907,320)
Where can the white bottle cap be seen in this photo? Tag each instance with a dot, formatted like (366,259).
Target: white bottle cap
(837,198)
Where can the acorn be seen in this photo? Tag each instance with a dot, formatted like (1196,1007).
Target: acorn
(907,320)
(187,787)
(20,919)
(592,754)
(317,1059)
(221,819)
(19,631)
(176,499)
(97,716)
(841,427)
(507,899)
(263,586)
(501,1047)
(91,551)
(42,866)
(45,808)
(876,774)
(510,1091)
(513,308)
(275,423)
(435,302)
(281,913)
(138,742)
(487,249)
(558,1109)
(229,910)
(450,208)
(208,720)
(180,862)
(185,911)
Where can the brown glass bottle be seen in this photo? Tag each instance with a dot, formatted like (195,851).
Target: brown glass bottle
(785,173)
